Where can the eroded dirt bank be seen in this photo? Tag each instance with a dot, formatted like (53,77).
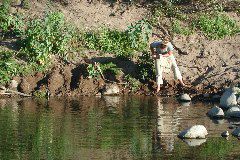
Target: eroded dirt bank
(207,66)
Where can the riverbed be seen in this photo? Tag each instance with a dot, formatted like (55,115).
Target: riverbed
(110,127)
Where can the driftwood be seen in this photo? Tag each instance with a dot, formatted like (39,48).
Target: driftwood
(6,91)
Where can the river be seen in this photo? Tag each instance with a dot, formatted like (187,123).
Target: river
(111,127)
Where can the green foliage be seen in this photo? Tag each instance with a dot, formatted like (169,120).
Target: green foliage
(132,83)
(40,94)
(47,36)
(146,69)
(110,67)
(177,28)
(139,33)
(8,65)
(122,44)
(11,67)
(10,24)
(216,27)
(94,71)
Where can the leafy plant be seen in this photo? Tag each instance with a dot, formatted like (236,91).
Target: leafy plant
(95,70)
(216,27)
(122,44)
(145,65)
(10,24)
(47,36)
(132,83)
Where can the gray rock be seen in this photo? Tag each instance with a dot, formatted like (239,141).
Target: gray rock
(194,142)
(229,99)
(236,132)
(225,134)
(233,112)
(238,100)
(185,97)
(216,112)
(196,131)
(13,85)
(111,89)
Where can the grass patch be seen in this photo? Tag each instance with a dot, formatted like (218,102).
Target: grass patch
(216,27)
(179,29)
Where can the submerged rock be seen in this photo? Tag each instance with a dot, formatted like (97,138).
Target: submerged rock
(229,98)
(225,134)
(185,97)
(196,131)
(216,112)
(194,142)
(238,100)
(233,112)
(236,132)
(111,89)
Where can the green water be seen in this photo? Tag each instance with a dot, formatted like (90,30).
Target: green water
(109,128)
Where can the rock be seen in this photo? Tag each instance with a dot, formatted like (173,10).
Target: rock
(233,112)
(25,86)
(238,100)
(229,98)
(196,131)
(194,142)
(216,112)
(185,97)
(236,132)
(111,89)
(225,134)
(13,85)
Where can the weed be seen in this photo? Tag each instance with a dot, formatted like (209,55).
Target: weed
(43,37)
(40,94)
(132,83)
(146,69)
(96,70)
(122,44)
(10,24)
(216,27)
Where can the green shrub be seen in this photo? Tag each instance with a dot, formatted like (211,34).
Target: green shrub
(216,27)
(146,67)
(122,44)
(11,67)
(47,36)
(94,71)
(10,24)
(132,83)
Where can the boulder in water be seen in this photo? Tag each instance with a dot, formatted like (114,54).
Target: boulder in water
(196,131)
(236,132)
(233,112)
(185,98)
(229,98)
(225,134)
(216,112)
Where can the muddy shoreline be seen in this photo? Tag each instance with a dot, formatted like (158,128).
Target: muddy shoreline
(71,80)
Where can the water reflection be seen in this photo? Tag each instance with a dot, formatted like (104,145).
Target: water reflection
(103,128)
